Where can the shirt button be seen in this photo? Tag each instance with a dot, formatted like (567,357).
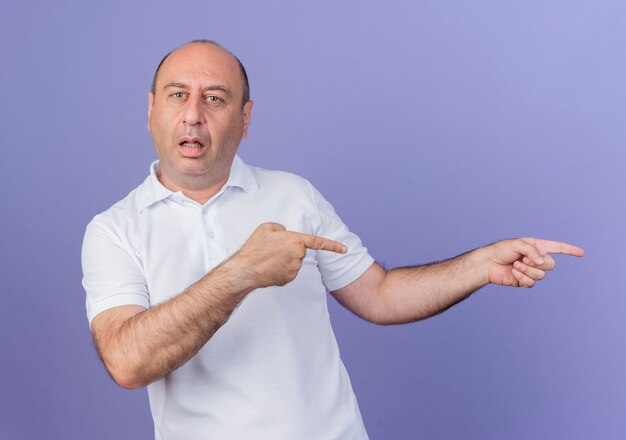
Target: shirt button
(211,235)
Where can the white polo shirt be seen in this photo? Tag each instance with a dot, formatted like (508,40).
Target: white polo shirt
(272,371)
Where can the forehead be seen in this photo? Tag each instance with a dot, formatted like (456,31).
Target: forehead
(201,64)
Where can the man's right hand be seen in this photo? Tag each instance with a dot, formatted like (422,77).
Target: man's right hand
(139,346)
(272,256)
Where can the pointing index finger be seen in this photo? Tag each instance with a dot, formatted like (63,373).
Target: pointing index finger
(321,244)
(558,247)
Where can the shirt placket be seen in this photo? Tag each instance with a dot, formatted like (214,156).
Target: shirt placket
(213,242)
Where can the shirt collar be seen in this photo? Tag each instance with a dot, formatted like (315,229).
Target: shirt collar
(152,190)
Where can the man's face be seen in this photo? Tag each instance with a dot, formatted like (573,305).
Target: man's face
(195,115)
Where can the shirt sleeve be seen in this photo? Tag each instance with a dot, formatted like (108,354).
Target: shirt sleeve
(111,275)
(338,270)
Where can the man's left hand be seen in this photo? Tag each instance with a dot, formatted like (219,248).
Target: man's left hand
(522,262)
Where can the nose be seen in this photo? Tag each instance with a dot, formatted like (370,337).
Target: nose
(192,112)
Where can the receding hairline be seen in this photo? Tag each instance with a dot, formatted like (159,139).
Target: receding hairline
(242,70)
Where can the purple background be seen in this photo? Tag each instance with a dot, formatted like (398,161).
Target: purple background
(432,126)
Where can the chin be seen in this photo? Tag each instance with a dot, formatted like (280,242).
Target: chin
(193,169)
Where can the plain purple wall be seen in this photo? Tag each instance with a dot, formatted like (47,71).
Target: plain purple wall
(432,126)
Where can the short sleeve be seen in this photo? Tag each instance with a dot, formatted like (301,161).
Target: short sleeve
(338,270)
(111,277)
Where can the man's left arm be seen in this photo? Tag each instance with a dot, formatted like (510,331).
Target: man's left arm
(410,294)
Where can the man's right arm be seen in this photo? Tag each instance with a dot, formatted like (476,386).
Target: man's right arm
(139,346)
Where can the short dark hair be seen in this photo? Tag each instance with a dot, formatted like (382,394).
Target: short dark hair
(244,75)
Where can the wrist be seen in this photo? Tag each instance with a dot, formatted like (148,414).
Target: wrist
(478,263)
(237,275)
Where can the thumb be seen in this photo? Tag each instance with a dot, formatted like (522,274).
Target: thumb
(528,250)
(274,227)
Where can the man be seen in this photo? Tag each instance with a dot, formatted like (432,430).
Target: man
(208,282)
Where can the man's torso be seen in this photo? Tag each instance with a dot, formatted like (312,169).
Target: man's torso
(273,370)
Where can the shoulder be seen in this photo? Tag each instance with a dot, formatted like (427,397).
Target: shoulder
(273,178)
(286,187)
(118,217)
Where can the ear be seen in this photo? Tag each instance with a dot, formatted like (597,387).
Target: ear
(246,114)
(150,102)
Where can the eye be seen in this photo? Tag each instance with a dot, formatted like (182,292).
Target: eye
(213,98)
(178,95)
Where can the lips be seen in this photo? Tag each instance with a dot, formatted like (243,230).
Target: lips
(191,147)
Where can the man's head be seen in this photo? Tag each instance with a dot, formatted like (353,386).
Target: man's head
(198,112)
(244,74)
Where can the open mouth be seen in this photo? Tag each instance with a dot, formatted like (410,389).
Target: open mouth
(191,144)
(191,147)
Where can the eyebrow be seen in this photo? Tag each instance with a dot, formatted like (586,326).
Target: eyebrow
(179,85)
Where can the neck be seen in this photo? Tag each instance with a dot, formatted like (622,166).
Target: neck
(200,193)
